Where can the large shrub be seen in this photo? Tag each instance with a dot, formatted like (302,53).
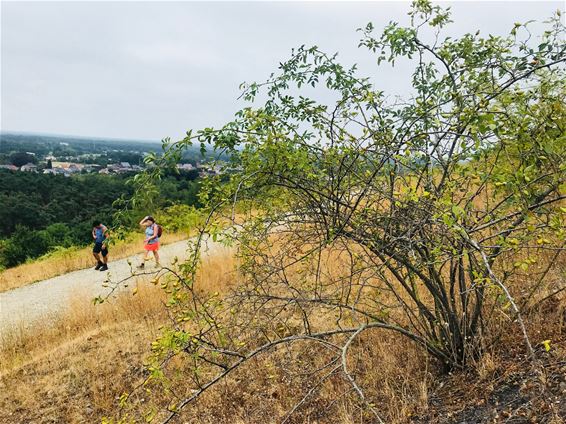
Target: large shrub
(413,216)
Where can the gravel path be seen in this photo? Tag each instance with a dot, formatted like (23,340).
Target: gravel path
(43,300)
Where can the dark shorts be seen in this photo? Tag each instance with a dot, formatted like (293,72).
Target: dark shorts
(100,248)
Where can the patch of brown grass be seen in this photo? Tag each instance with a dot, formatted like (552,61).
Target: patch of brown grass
(72,370)
(75,369)
(267,388)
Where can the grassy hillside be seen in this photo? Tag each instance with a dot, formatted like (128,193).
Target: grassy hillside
(76,368)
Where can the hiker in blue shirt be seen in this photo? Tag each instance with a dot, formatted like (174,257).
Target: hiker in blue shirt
(100,235)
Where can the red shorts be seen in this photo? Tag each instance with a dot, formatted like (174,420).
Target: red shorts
(151,247)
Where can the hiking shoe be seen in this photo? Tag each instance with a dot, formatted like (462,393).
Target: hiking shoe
(104,267)
(98,266)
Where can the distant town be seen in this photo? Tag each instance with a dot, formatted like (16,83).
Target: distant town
(52,166)
(73,156)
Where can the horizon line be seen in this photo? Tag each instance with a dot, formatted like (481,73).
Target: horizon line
(47,134)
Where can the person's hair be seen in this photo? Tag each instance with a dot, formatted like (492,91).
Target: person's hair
(96,223)
(150,218)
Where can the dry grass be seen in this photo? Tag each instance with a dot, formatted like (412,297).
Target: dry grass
(69,260)
(75,369)
(267,388)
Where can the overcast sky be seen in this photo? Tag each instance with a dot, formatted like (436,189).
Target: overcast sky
(147,70)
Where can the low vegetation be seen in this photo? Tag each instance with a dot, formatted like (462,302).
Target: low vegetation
(77,368)
(74,368)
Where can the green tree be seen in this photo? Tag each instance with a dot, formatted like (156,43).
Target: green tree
(21,158)
(60,235)
(24,244)
(20,209)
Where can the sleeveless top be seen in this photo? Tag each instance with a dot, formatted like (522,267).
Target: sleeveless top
(149,233)
(99,234)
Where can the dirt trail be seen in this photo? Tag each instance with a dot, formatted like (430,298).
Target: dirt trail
(43,300)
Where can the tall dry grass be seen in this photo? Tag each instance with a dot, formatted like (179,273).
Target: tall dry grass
(72,369)
(75,368)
